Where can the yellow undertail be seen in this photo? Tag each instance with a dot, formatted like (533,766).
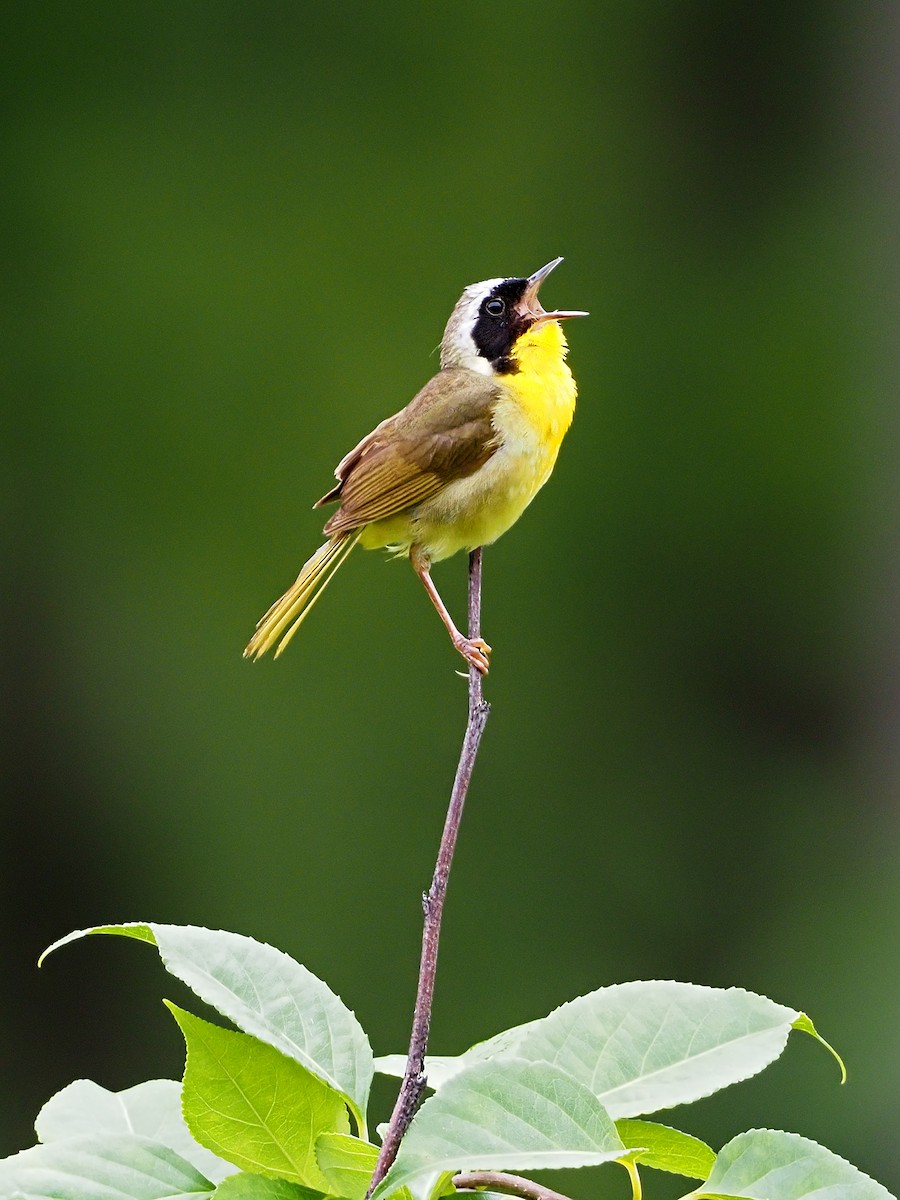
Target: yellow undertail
(293,607)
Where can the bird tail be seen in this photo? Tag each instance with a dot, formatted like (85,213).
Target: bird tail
(293,607)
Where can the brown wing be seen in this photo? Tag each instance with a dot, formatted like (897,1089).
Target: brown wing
(444,433)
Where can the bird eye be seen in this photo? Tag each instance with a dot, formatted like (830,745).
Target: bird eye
(495,308)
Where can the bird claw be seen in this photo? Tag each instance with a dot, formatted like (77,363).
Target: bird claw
(475,651)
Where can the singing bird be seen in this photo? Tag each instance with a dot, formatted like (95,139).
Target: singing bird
(459,465)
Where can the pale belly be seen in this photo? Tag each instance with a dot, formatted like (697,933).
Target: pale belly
(474,511)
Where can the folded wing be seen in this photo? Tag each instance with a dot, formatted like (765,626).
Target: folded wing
(445,433)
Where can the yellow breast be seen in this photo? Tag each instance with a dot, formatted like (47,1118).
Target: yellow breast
(543,385)
(531,420)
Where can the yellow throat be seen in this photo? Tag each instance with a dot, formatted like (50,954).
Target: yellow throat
(543,384)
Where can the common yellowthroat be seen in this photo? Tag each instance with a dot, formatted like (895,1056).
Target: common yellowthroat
(459,465)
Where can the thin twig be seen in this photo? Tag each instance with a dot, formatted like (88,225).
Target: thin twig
(414,1080)
(499,1181)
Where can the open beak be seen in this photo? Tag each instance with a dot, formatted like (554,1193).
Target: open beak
(531,307)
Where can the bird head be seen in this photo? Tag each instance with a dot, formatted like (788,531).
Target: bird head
(491,317)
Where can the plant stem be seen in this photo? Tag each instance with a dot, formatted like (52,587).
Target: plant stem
(634,1175)
(414,1080)
(501,1182)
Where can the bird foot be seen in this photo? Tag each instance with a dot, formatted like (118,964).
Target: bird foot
(475,651)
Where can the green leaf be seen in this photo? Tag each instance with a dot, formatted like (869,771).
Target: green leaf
(805,1025)
(765,1164)
(642,1047)
(258,1187)
(115,1166)
(347,1163)
(151,1109)
(265,993)
(253,1105)
(666,1149)
(495,1116)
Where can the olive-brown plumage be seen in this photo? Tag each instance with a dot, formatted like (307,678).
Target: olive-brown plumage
(444,433)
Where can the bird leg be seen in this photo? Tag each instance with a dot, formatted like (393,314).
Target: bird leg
(474,650)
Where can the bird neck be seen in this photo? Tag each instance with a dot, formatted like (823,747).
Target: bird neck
(541,380)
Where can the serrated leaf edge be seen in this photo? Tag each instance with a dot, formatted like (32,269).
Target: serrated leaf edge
(144,931)
(699,1193)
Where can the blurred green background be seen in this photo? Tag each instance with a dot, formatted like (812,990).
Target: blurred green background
(234,234)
